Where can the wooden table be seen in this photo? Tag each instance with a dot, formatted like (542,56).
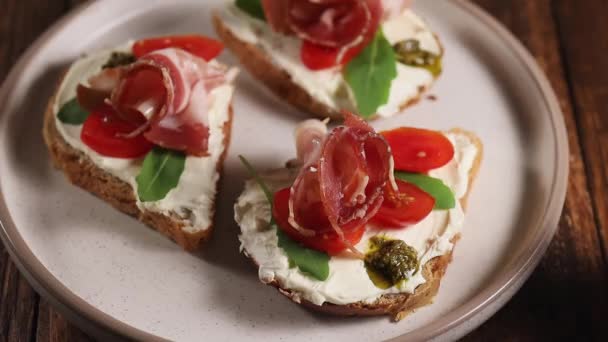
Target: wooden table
(566,297)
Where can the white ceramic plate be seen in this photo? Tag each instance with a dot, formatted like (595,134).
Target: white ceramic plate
(116,277)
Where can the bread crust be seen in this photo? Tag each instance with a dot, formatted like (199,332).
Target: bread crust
(398,306)
(279,81)
(81,171)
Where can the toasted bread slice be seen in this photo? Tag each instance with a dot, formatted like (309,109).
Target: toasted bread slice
(281,82)
(83,172)
(398,306)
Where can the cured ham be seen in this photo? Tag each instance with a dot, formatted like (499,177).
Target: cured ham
(330,23)
(309,134)
(100,87)
(341,189)
(166,93)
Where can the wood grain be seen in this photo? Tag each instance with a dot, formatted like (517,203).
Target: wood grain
(585,43)
(566,296)
(18,307)
(53,327)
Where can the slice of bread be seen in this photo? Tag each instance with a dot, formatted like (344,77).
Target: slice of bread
(280,81)
(83,172)
(398,306)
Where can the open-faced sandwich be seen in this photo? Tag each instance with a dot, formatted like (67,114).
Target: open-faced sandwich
(145,126)
(372,57)
(360,223)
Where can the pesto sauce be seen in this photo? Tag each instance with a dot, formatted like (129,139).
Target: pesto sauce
(119,59)
(390,262)
(410,53)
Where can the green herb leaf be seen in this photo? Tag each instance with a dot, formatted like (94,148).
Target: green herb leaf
(71,113)
(444,197)
(159,174)
(252,7)
(371,74)
(309,261)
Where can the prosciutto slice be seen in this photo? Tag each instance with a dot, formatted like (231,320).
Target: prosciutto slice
(331,23)
(166,92)
(345,181)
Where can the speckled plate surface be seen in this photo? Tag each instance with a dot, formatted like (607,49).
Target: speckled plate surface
(116,278)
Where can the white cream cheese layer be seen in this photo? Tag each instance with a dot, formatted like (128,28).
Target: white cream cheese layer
(193,198)
(348,281)
(329,86)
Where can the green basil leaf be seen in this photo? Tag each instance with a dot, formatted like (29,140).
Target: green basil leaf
(252,7)
(71,113)
(159,174)
(444,197)
(308,261)
(371,74)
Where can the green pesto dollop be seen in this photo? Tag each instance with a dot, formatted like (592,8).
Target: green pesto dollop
(390,262)
(119,59)
(410,53)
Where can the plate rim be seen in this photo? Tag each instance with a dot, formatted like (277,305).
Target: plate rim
(98,323)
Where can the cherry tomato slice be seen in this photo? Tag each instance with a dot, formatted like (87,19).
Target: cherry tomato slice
(419,150)
(102,133)
(407,207)
(326,240)
(201,46)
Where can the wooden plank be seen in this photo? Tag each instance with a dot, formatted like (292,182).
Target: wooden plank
(18,307)
(21,22)
(566,295)
(585,43)
(53,327)
(555,302)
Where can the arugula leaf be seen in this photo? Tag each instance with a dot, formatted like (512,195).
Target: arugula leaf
(309,261)
(71,113)
(371,74)
(159,174)
(252,7)
(444,197)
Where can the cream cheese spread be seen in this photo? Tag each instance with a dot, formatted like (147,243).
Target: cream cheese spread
(348,281)
(329,86)
(193,198)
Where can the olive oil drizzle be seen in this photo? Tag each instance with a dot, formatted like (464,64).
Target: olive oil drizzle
(410,53)
(390,262)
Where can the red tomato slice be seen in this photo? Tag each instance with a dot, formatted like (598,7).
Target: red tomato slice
(317,57)
(410,206)
(326,240)
(419,150)
(102,133)
(201,46)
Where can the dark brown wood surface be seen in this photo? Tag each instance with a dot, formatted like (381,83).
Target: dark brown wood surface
(567,296)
